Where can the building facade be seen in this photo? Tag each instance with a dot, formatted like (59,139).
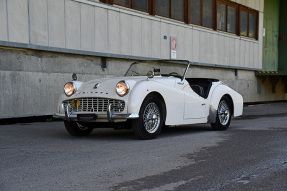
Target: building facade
(42,42)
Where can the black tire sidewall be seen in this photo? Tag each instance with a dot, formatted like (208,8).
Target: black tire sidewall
(74,130)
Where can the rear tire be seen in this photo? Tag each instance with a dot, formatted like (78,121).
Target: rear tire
(76,129)
(150,121)
(223,117)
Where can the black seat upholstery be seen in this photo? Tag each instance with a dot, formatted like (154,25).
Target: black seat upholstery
(198,89)
(201,86)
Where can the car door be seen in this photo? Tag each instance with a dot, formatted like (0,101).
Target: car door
(194,105)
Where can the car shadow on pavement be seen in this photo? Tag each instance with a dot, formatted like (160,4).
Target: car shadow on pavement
(187,129)
(111,134)
(128,134)
(56,130)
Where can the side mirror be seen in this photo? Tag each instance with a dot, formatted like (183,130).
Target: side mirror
(150,74)
(74,77)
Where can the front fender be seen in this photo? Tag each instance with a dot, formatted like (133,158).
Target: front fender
(173,98)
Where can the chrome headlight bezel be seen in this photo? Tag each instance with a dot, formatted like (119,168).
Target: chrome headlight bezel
(74,89)
(126,89)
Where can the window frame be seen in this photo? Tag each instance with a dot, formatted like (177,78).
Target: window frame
(233,5)
(249,11)
(170,10)
(132,5)
(186,14)
(107,1)
(188,20)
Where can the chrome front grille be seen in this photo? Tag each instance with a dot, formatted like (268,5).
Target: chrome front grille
(88,105)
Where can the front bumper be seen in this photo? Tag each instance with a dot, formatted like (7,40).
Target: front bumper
(109,117)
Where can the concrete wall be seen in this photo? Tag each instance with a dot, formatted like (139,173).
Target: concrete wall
(31,81)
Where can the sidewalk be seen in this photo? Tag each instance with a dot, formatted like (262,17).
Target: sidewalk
(278,108)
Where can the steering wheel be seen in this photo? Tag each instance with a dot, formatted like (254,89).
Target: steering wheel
(173,74)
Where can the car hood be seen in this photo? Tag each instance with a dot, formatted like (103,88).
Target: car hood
(108,84)
(106,87)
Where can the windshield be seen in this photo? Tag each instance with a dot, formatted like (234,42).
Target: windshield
(159,68)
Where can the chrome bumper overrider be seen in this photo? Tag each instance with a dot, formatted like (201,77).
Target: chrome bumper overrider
(110,116)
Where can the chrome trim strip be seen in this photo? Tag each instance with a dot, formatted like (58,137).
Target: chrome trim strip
(183,77)
(68,113)
(100,116)
(110,113)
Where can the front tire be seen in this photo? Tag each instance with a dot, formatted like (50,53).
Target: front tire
(76,129)
(223,117)
(150,121)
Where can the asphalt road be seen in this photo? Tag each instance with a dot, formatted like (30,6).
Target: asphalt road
(251,155)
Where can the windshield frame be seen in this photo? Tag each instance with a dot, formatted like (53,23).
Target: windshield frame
(183,62)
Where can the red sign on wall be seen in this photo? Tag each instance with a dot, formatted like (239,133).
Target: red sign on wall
(173,46)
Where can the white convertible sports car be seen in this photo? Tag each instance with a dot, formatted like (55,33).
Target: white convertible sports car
(151,95)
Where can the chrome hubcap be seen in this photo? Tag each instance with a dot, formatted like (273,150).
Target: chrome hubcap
(151,117)
(223,112)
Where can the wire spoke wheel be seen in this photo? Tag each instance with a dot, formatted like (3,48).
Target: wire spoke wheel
(223,112)
(151,117)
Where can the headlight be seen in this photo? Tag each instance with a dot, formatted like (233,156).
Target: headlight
(122,88)
(70,88)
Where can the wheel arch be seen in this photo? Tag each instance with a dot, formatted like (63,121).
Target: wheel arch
(138,125)
(214,107)
(161,100)
(221,91)
(230,102)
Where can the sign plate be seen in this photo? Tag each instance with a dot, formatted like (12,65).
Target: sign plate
(86,117)
(173,47)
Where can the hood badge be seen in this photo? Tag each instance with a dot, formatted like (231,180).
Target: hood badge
(97,86)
